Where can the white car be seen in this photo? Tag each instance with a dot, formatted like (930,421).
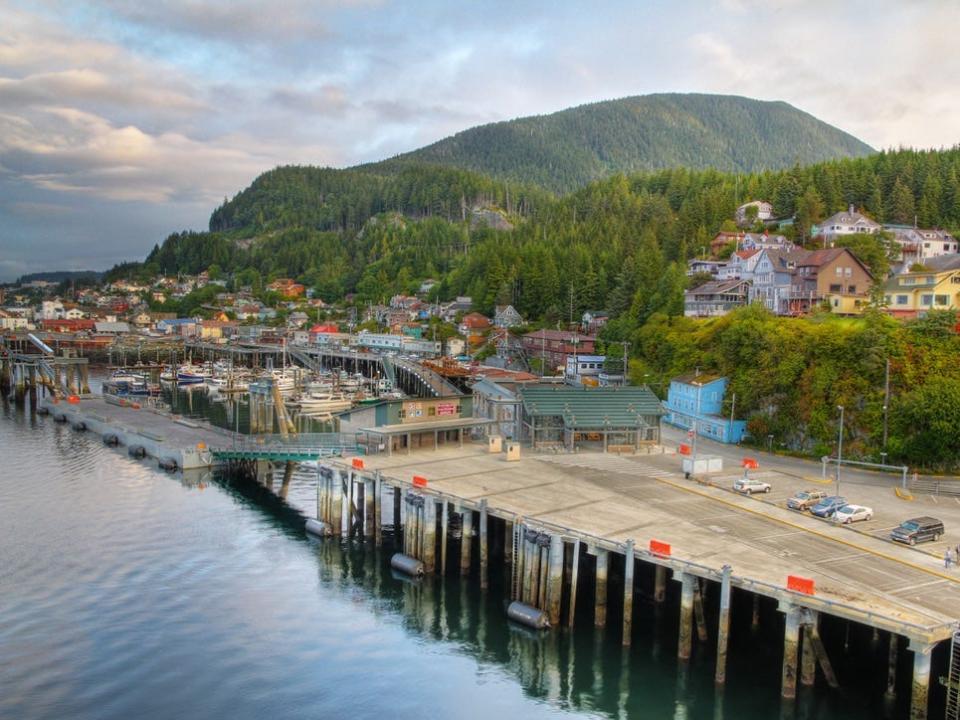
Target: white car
(749,486)
(851,513)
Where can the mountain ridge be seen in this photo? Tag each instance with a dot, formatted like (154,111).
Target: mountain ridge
(567,149)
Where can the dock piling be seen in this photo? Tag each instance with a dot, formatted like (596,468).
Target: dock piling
(894,646)
(429,534)
(444,535)
(921,679)
(723,627)
(574,573)
(628,567)
(555,579)
(684,646)
(600,602)
(791,642)
(466,541)
(484,547)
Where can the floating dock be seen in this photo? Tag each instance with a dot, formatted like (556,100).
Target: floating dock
(174,441)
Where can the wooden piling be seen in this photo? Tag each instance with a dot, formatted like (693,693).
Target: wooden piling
(698,610)
(429,534)
(600,600)
(369,508)
(685,642)
(574,573)
(484,547)
(723,627)
(444,535)
(466,541)
(893,647)
(791,641)
(628,593)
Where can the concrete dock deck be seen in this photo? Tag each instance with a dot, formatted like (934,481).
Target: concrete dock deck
(609,499)
(161,434)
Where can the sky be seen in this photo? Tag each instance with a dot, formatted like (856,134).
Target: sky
(122,121)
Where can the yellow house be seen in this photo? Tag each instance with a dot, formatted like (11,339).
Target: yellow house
(935,287)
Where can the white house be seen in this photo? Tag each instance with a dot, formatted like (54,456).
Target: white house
(740,266)
(846,223)
(764,212)
(51,310)
(918,244)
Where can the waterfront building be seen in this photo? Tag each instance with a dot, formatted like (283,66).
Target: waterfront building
(695,402)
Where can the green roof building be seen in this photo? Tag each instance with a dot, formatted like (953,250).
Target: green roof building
(610,418)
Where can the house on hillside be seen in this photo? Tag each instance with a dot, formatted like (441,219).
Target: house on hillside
(773,278)
(839,224)
(593,320)
(740,266)
(763,212)
(506,316)
(914,293)
(715,298)
(918,244)
(832,276)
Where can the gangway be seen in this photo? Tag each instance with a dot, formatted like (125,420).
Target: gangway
(291,448)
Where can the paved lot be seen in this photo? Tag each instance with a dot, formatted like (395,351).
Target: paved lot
(646,497)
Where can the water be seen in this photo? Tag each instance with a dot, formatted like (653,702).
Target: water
(128,592)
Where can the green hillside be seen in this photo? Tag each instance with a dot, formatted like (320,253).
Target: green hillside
(568,149)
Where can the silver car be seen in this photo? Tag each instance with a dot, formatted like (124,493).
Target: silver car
(749,486)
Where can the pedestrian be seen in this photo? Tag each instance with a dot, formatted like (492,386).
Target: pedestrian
(947,559)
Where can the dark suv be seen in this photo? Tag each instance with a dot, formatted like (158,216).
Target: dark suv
(917,530)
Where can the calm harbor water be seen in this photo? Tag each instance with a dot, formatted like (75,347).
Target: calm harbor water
(129,592)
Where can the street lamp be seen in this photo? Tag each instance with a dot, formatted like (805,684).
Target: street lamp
(839,446)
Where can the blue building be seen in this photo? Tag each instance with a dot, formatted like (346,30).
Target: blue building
(695,401)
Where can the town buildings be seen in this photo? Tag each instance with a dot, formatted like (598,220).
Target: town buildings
(555,346)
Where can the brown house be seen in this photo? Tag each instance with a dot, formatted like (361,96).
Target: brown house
(555,346)
(833,275)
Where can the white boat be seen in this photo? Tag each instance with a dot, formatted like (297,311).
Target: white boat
(324,403)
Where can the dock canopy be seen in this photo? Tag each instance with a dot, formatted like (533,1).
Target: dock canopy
(619,417)
(407,435)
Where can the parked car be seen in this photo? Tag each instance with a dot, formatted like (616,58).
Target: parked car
(851,513)
(749,486)
(828,506)
(805,499)
(917,530)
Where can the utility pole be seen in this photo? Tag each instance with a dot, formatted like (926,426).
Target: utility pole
(886,407)
(839,447)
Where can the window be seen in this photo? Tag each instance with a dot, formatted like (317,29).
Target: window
(903,299)
(942,299)
(836,288)
(838,270)
(852,289)
(926,299)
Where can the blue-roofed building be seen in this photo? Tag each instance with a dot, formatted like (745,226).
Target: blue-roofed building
(695,402)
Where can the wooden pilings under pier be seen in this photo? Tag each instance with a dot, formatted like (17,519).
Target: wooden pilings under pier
(548,567)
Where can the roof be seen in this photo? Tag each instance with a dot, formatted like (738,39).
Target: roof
(699,379)
(451,424)
(845,217)
(592,407)
(717,287)
(116,327)
(942,263)
(564,335)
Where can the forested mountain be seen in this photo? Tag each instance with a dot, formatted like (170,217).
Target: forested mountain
(568,149)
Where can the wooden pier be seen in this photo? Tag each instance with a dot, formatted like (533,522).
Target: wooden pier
(554,521)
